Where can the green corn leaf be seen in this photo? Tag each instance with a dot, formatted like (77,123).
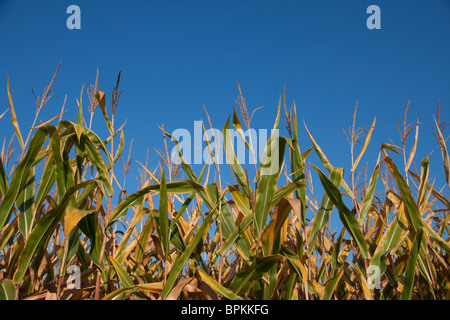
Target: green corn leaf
(190,173)
(43,230)
(268,181)
(71,127)
(184,164)
(242,202)
(226,218)
(323,214)
(331,284)
(228,225)
(306,154)
(119,148)
(7,290)
(391,147)
(217,287)
(20,173)
(235,234)
(297,265)
(61,166)
(108,140)
(121,273)
(143,239)
(139,214)
(89,149)
(286,190)
(232,159)
(326,163)
(70,248)
(176,238)
(182,209)
(181,261)
(90,226)
(297,163)
(124,277)
(119,294)
(389,240)
(164,216)
(25,204)
(183,186)
(347,218)
(336,251)
(3,181)
(411,267)
(260,266)
(8,233)
(436,237)
(290,293)
(47,181)
(412,212)
(368,198)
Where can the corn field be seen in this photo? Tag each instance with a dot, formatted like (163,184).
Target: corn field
(62,208)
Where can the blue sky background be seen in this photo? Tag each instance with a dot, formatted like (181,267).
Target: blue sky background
(178,56)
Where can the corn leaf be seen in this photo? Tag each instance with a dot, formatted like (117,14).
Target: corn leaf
(43,229)
(412,212)
(20,173)
(408,287)
(260,266)
(121,273)
(331,284)
(268,182)
(365,145)
(444,152)
(270,237)
(164,216)
(183,186)
(323,214)
(7,290)
(232,160)
(181,261)
(326,163)
(217,287)
(347,218)
(14,118)
(72,217)
(368,198)
(100,96)
(25,204)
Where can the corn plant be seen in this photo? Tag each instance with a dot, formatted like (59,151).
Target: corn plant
(62,207)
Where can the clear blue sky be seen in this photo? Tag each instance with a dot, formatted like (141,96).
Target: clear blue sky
(178,56)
